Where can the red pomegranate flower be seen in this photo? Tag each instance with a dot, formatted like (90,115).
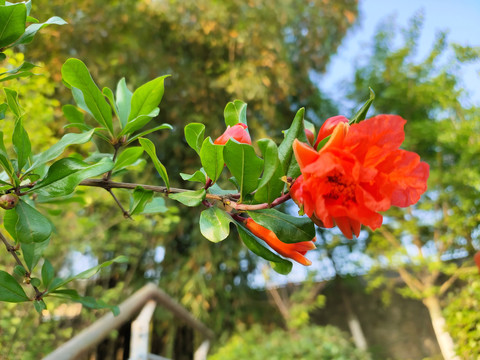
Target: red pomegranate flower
(294,251)
(238,132)
(359,172)
(328,127)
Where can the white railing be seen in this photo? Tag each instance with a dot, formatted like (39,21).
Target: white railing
(144,300)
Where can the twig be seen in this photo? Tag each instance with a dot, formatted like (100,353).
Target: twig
(116,147)
(13,250)
(126,214)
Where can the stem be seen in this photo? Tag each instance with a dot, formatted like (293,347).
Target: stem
(126,214)
(13,250)
(228,199)
(116,147)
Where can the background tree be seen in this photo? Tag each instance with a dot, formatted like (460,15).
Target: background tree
(428,245)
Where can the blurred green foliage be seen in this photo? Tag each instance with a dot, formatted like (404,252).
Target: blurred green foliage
(307,343)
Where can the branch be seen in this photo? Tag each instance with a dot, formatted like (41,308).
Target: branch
(13,250)
(446,285)
(228,199)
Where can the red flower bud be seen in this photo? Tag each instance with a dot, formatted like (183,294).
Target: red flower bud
(294,251)
(476,257)
(8,201)
(310,136)
(238,132)
(328,127)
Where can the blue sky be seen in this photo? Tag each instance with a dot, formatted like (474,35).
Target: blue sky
(461,18)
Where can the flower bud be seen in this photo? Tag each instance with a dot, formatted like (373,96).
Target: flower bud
(328,127)
(8,201)
(237,132)
(310,136)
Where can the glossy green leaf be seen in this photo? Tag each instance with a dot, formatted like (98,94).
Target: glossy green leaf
(215,224)
(124,100)
(139,122)
(147,98)
(48,273)
(285,150)
(12,101)
(32,29)
(244,164)
(211,157)
(76,74)
(12,23)
(150,150)
(72,114)
(270,157)
(289,229)
(3,109)
(21,144)
(16,76)
(26,66)
(65,174)
(26,225)
(111,98)
(4,160)
(146,132)
(272,189)
(140,198)
(254,244)
(86,301)
(87,273)
(194,134)
(39,306)
(198,176)
(19,270)
(10,289)
(189,198)
(157,205)
(362,112)
(31,19)
(57,149)
(128,157)
(235,112)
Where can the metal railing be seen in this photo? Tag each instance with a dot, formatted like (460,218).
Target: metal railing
(144,301)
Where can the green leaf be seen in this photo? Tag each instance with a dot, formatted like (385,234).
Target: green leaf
(31,30)
(289,229)
(111,98)
(211,157)
(198,176)
(244,164)
(33,252)
(147,98)
(86,301)
(19,270)
(270,157)
(87,273)
(76,74)
(3,109)
(15,76)
(4,160)
(157,205)
(65,174)
(47,273)
(10,289)
(146,132)
(2,57)
(128,157)
(285,150)
(322,143)
(139,122)
(140,198)
(32,20)
(30,225)
(235,112)
(57,149)
(194,134)
(362,112)
(39,306)
(150,150)
(21,144)
(189,198)
(254,244)
(12,101)
(215,224)
(26,66)
(124,100)
(12,23)
(272,189)
(72,114)
(35,282)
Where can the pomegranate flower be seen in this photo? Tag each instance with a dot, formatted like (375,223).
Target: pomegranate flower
(359,172)
(238,132)
(294,251)
(328,127)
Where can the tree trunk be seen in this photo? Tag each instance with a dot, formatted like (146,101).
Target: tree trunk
(353,323)
(438,322)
